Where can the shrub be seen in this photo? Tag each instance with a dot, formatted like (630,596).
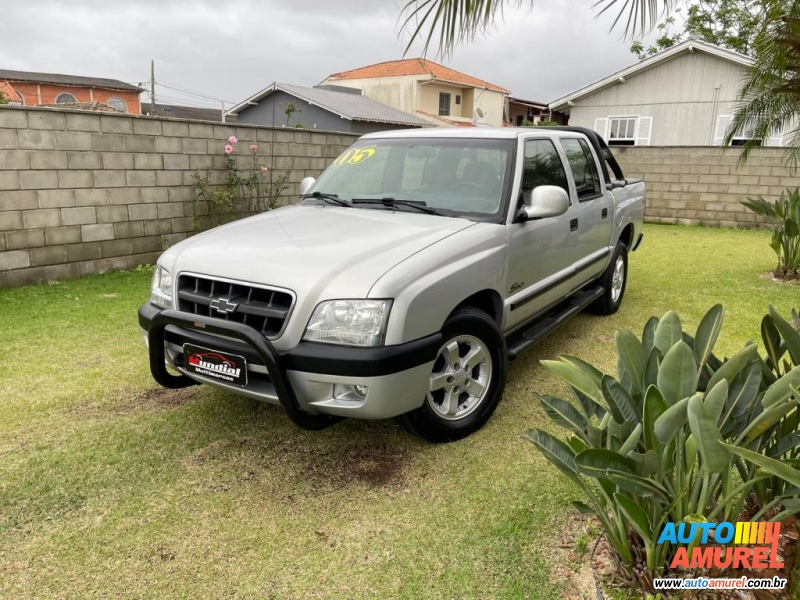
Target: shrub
(784,217)
(647,446)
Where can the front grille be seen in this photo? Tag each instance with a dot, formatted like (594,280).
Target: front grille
(263,309)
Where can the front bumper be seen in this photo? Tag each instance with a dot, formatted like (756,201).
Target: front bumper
(309,381)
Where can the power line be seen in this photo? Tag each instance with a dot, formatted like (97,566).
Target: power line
(192,93)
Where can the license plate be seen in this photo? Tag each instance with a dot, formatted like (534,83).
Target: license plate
(222,366)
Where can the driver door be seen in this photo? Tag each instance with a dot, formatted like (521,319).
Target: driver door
(541,252)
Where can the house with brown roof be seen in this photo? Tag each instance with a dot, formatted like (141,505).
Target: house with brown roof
(70,91)
(438,94)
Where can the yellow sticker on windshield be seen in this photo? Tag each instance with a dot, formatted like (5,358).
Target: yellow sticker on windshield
(354,156)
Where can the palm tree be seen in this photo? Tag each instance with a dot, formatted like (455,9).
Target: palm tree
(769,101)
(457,21)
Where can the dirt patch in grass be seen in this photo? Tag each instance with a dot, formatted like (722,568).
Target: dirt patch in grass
(787,279)
(147,400)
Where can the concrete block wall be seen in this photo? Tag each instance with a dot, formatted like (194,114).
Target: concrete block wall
(85,193)
(704,185)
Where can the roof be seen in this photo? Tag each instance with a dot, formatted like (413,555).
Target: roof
(684,47)
(531,103)
(416,66)
(9,93)
(354,107)
(92,105)
(183,112)
(73,80)
(491,133)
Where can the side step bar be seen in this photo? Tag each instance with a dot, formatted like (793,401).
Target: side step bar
(552,319)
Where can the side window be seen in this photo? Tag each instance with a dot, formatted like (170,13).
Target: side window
(583,167)
(543,166)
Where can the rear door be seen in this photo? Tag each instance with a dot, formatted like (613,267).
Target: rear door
(592,214)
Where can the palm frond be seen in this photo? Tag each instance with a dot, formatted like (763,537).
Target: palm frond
(769,101)
(452,22)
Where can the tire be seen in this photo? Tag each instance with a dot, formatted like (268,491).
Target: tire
(614,283)
(462,399)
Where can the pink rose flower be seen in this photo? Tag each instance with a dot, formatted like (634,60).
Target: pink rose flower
(253,147)
(264,169)
(228,149)
(232,139)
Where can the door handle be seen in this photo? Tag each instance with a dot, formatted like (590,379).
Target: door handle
(604,214)
(573,225)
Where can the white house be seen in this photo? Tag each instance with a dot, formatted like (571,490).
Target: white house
(682,96)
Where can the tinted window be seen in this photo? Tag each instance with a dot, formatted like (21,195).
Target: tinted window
(543,166)
(584,168)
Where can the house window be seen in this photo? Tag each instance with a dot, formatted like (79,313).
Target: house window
(444,104)
(118,103)
(622,131)
(520,119)
(65,99)
(458,99)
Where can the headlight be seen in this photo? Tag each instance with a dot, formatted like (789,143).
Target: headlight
(349,322)
(161,290)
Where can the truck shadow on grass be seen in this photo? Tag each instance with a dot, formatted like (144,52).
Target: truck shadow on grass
(257,439)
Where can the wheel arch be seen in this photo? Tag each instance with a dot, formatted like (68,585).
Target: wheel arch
(626,237)
(487,300)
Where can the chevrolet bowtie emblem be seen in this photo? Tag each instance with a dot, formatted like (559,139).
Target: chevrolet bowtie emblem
(223,306)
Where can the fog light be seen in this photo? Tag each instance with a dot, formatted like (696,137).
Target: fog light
(361,390)
(350,392)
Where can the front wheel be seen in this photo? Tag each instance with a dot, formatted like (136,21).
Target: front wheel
(614,280)
(467,379)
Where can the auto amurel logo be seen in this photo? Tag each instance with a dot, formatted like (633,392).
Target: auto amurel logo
(223,305)
(741,545)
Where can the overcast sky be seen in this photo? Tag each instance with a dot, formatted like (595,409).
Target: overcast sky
(230,49)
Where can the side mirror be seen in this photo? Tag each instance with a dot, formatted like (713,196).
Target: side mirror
(545,201)
(306,184)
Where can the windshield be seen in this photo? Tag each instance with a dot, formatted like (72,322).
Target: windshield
(459,177)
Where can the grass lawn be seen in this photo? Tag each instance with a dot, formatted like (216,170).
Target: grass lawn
(112,487)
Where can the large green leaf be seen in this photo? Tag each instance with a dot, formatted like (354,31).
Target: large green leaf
(743,391)
(649,334)
(677,376)
(690,452)
(707,333)
(668,332)
(767,419)
(574,376)
(705,431)
(592,371)
(772,341)
(556,451)
(788,333)
(771,465)
(597,462)
(639,486)
(784,445)
(715,400)
(654,407)
(565,415)
(651,368)
(632,356)
(619,401)
(647,464)
(633,441)
(671,421)
(636,516)
(781,391)
(734,364)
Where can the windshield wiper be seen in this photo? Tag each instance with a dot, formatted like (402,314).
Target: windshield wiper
(394,203)
(329,198)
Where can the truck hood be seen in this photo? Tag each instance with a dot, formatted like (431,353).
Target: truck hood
(317,251)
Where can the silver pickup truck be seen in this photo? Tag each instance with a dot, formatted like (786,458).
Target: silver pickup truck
(408,275)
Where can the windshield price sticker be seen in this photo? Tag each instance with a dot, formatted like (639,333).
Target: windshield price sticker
(355,156)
